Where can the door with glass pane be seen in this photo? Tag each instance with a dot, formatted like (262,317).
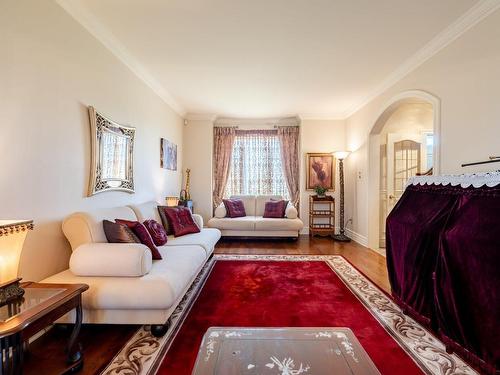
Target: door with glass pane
(400,158)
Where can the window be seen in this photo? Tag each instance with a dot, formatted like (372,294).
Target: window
(256,167)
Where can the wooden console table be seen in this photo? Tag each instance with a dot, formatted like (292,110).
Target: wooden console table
(322,218)
(41,305)
(270,351)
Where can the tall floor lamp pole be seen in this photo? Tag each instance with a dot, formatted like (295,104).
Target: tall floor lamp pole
(341,155)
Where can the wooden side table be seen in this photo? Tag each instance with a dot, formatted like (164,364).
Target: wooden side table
(41,305)
(321,215)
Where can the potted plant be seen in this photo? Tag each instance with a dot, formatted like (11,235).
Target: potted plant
(320,191)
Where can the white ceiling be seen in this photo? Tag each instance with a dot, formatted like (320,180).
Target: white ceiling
(262,58)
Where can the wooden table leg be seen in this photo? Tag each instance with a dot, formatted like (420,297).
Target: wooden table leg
(75,355)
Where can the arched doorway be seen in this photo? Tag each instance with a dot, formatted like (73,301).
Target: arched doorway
(404,141)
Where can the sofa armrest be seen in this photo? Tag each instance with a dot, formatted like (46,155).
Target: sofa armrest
(198,219)
(291,212)
(220,211)
(111,259)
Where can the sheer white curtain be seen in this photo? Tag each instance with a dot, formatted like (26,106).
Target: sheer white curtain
(256,167)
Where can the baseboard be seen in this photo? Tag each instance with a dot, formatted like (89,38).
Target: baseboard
(356,237)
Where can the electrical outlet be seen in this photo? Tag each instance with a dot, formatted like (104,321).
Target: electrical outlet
(359,175)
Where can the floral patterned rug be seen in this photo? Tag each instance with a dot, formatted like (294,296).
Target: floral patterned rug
(280,291)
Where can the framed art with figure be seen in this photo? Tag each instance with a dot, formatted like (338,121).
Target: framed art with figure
(320,171)
(168,155)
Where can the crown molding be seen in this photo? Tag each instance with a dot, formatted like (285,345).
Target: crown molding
(200,117)
(322,116)
(269,121)
(469,19)
(103,35)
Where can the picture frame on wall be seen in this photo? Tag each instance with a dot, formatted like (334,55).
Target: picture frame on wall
(320,171)
(168,155)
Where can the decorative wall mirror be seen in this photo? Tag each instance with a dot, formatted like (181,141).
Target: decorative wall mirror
(112,158)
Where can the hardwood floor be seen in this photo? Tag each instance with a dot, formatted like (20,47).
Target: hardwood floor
(101,342)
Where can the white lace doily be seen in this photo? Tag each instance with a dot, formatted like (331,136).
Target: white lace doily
(476,180)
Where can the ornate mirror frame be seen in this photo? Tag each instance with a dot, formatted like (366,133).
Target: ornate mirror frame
(100,127)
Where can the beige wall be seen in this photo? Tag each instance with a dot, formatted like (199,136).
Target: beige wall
(316,136)
(51,69)
(319,136)
(465,76)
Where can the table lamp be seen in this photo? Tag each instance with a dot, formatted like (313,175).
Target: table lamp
(341,155)
(12,235)
(172,201)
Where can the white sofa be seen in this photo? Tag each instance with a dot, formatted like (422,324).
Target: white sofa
(254,224)
(126,285)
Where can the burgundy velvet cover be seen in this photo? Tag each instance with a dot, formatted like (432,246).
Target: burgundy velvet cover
(275,209)
(142,233)
(157,232)
(467,292)
(181,221)
(234,207)
(281,294)
(453,235)
(412,242)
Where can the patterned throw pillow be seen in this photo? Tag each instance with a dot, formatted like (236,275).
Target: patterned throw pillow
(181,221)
(142,233)
(118,233)
(275,209)
(234,207)
(157,232)
(164,219)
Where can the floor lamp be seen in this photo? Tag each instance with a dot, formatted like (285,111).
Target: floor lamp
(341,155)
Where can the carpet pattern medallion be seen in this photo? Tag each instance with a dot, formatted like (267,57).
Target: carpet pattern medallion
(144,354)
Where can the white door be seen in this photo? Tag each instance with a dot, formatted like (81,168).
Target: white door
(403,156)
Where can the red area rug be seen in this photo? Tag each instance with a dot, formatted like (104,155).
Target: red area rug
(281,294)
(287,291)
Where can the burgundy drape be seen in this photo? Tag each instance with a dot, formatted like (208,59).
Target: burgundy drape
(452,235)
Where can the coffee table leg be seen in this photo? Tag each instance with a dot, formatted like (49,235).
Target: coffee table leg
(74,348)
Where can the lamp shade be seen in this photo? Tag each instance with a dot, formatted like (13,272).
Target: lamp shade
(12,235)
(172,201)
(341,155)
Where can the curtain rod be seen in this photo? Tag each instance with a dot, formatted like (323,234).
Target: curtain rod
(492,159)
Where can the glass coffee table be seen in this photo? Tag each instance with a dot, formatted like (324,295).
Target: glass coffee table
(282,351)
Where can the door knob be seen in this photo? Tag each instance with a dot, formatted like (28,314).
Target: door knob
(391,196)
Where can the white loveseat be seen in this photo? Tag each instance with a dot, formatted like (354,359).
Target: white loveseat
(126,285)
(254,224)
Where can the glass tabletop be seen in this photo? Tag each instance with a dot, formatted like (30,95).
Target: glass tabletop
(32,297)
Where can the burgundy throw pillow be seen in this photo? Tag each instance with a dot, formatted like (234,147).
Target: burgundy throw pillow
(275,209)
(157,232)
(118,233)
(142,233)
(181,221)
(164,220)
(234,207)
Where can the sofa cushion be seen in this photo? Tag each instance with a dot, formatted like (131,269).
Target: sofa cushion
(142,233)
(275,209)
(238,223)
(118,233)
(85,227)
(248,202)
(265,224)
(146,211)
(111,259)
(181,221)
(260,203)
(234,207)
(164,219)
(206,238)
(157,232)
(159,289)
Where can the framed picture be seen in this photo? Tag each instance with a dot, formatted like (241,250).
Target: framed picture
(168,155)
(320,171)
